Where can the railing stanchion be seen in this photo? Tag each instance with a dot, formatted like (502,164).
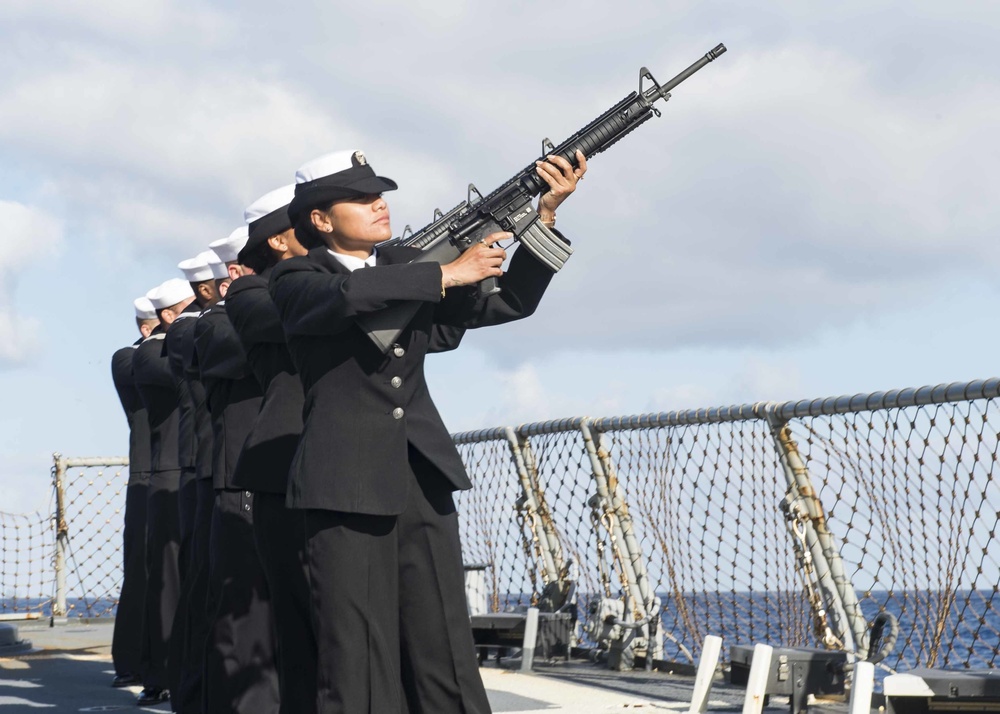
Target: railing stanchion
(59,610)
(543,528)
(642,596)
(838,593)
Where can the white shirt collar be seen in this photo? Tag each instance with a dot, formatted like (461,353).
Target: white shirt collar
(352,263)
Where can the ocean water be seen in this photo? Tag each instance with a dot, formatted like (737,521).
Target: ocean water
(79,608)
(968,635)
(930,633)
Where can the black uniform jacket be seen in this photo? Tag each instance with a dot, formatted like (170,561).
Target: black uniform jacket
(203,465)
(268,451)
(135,410)
(151,372)
(362,407)
(232,393)
(174,345)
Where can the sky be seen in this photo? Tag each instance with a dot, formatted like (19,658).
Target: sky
(812,215)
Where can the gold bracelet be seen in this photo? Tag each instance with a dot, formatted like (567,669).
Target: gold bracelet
(550,224)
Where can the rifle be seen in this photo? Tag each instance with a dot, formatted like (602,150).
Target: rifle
(509,208)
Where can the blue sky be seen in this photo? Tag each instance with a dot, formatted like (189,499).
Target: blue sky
(814,214)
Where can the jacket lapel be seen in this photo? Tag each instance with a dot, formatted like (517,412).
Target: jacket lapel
(321,256)
(392,255)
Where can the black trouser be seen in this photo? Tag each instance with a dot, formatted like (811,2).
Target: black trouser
(163,579)
(240,673)
(389,608)
(280,536)
(187,504)
(187,699)
(126,642)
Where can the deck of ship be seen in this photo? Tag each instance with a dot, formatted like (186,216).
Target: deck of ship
(69,669)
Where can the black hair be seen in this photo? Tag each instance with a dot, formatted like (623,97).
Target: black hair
(259,258)
(305,232)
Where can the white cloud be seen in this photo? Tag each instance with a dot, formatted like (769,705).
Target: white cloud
(783,193)
(168,159)
(836,164)
(187,138)
(128,22)
(27,235)
(522,397)
(813,174)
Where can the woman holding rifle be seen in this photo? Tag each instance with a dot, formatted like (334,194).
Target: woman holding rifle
(375,467)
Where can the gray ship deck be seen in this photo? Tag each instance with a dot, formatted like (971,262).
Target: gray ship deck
(69,670)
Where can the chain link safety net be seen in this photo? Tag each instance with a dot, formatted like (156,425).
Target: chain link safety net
(903,481)
(26,567)
(490,535)
(94,512)
(905,485)
(911,496)
(703,499)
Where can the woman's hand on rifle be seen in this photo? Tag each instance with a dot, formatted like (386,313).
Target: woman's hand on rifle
(482,260)
(562,179)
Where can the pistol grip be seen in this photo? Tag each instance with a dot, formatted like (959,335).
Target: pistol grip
(488,286)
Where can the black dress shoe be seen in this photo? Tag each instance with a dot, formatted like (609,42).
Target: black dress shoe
(152,695)
(124,680)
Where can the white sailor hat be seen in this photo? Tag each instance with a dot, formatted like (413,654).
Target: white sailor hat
(228,248)
(268,216)
(340,174)
(219,269)
(170,293)
(144,309)
(197,269)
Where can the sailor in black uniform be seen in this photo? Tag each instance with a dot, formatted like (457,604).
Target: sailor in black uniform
(126,642)
(190,698)
(267,454)
(151,370)
(240,672)
(225,251)
(190,622)
(376,467)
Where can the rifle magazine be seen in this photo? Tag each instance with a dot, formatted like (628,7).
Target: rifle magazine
(548,247)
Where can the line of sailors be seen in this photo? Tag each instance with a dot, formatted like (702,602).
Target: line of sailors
(212,558)
(290,539)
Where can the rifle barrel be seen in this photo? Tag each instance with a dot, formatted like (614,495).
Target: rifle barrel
(709,57)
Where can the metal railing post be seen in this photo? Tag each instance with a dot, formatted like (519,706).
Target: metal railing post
(839,595)
(641,594)
(549,548)
(59,609)
(552,540)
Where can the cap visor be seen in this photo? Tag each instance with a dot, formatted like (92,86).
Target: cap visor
(374,184)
